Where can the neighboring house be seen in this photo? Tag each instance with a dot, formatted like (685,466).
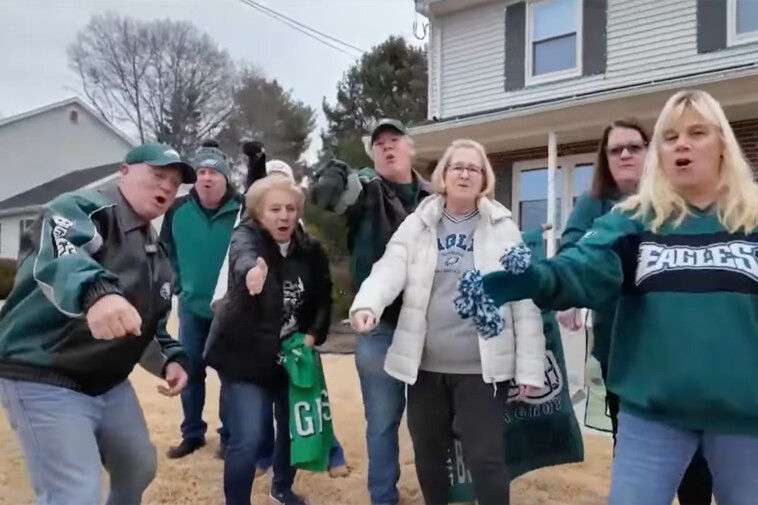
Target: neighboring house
(17,213)
(48,151)
(536,82)
(45,143)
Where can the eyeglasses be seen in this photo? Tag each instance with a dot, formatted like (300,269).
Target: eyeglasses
(471,169)
(632,148)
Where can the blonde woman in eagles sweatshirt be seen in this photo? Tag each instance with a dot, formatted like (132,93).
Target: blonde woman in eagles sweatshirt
(682,258)
(452,371)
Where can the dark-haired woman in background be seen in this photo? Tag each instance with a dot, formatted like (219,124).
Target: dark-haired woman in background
(618,169)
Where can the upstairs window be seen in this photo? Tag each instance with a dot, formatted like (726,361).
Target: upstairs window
(553,36)
(742,18)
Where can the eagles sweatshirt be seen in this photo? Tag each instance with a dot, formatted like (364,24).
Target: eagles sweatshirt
(684,346)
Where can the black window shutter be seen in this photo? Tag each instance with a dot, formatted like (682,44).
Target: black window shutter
(711,25)
(504,185)
(515,44)
(594,40)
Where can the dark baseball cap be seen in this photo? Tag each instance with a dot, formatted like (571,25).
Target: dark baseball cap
(384,125)
(161,155)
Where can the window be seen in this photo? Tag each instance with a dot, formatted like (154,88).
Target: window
(742,17)
(573,177)
(23,226)
(582,180)
(532,198)
(553,48)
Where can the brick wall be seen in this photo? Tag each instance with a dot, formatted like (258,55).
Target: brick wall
(747,135)
(745,131)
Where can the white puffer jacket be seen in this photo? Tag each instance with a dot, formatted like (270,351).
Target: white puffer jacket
(408,265)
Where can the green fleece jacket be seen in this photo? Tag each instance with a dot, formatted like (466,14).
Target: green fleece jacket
(685,340)
(374,208)
(197,240)
(586,209)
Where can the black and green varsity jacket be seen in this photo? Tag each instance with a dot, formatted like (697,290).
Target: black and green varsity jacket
(83,246)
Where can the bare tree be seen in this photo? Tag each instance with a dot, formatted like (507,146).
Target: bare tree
(266,112)
(167,78)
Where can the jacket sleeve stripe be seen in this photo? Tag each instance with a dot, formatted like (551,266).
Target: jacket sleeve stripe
(63,266)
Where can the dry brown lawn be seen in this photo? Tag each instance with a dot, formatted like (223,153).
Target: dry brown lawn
(197,480)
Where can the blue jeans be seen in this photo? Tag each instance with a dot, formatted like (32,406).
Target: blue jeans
(651,459)
(193,333)
(384,403)
(250,416)
(65,435)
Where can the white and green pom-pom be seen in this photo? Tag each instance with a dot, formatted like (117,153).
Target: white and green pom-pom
(516,260)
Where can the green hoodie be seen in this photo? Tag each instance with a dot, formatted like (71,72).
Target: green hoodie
(685,338)
(586,209)
(197,240)
(311,428)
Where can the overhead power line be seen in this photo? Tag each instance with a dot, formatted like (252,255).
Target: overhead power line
(303,28)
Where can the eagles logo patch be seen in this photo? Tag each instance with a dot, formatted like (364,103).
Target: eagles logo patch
(166,291)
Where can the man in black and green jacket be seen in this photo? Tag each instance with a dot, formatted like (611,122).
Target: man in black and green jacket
(375,201)
(92,293)
(196,231)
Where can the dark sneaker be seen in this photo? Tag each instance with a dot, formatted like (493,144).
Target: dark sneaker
(287,498)
(186,448)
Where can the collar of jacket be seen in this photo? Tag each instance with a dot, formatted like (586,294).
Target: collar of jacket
(424,186)
(127,217)
(230,195)
(431,209)
(296,241)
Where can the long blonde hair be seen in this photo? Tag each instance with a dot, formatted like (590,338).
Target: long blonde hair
(737,204)
(438,176)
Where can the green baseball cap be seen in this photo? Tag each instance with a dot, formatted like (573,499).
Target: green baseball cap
(212,158)
(161,155)
(384,125)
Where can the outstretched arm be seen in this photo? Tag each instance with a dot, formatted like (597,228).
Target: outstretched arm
(588,275)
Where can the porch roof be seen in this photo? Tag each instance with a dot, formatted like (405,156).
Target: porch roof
(576,119)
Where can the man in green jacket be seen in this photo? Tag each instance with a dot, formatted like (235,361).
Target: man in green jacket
(196,231)
(92,293)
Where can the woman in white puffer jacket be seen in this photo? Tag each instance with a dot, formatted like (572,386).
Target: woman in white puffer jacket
(453,372)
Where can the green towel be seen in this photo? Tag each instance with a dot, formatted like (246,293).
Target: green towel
(541,432)
(311,431)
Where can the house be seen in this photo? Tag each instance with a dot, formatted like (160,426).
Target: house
(57,148)
(536,82)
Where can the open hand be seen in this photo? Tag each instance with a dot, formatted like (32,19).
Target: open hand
(363,321)
(112,316)
(176,379)
(256,277)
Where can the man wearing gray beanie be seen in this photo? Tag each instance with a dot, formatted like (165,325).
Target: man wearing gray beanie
(197,230)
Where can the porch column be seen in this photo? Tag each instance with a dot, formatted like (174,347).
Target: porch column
(552,166)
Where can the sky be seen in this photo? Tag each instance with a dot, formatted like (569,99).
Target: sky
(35,34)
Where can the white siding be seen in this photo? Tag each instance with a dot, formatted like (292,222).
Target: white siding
(10,234)
(647,40)
(473,58)
(45,146)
